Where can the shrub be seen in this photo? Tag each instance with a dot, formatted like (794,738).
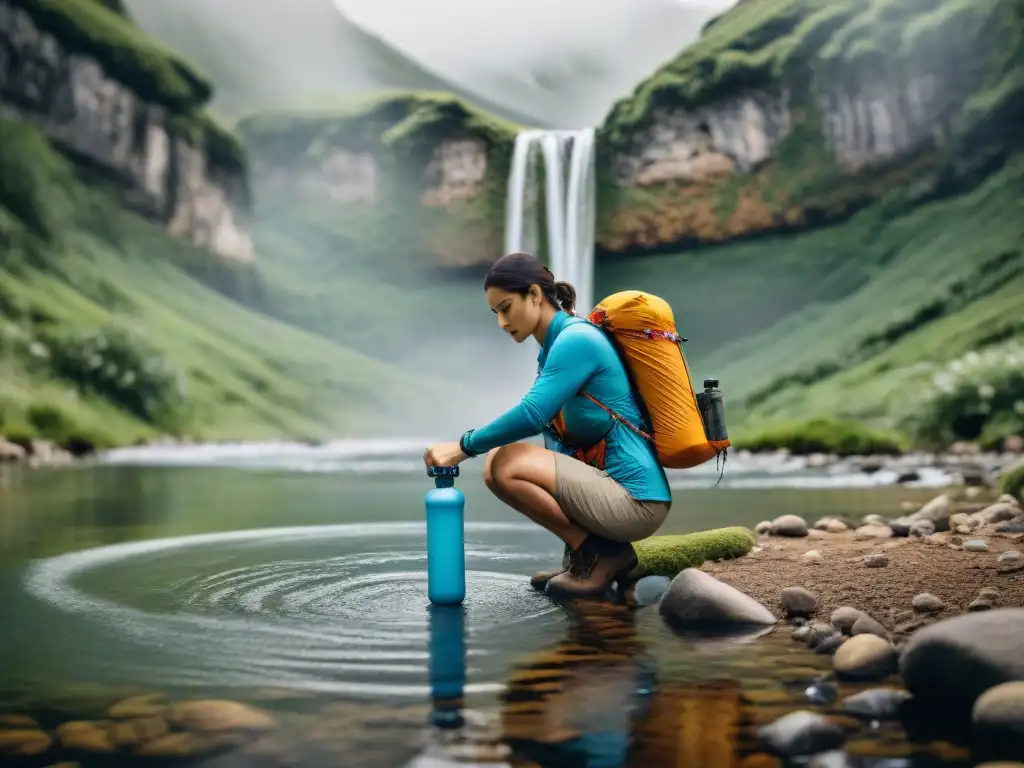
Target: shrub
(979,396)
(120,366)
(842,438)
(1013,482)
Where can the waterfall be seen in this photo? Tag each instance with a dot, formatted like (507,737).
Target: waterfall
(570,199)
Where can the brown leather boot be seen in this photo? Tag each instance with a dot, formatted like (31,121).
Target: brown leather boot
(595,565)
(540,580)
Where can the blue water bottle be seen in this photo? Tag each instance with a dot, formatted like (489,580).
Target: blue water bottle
(446,551)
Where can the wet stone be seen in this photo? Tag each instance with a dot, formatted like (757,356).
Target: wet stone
(876,703)
(24,742)
(844,617)
(865,657)
(831,643)
(86,736)
(801,733)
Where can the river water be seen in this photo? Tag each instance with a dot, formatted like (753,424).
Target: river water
(293,578)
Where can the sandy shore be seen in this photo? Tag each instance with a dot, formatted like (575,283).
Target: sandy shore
(941,564)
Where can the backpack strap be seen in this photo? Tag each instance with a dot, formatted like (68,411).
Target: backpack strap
(616,416)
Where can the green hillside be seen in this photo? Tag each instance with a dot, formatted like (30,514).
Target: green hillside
(108,337)
(855,320)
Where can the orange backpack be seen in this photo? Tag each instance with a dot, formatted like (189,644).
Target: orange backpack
(642,326)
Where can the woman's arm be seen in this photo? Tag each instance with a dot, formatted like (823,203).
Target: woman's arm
(573,359)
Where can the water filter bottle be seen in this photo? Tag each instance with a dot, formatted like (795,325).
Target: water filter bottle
(446,550)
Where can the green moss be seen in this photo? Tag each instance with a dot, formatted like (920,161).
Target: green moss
(832,436)
(1012,482)
(126,53)
(668,555)
(807,45)
(103,31)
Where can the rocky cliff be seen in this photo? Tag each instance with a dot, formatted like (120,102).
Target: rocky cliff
(127,112)
(800,110)
(421,174)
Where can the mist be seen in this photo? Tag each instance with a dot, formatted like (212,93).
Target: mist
(555,63)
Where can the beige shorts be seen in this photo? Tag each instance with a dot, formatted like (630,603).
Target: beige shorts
(594,501)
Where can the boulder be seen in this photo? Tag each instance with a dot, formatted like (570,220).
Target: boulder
(695,598)
(789,525)
(954,661)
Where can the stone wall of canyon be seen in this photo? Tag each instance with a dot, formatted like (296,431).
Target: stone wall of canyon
(103,125)
(767,159)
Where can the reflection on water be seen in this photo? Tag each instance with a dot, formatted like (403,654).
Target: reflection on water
(304,595)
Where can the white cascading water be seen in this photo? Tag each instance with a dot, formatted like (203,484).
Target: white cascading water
(570,196)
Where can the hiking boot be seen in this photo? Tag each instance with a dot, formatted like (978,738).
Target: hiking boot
(540,580)
(595,565)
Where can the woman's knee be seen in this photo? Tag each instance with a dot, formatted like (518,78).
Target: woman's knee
(505,463)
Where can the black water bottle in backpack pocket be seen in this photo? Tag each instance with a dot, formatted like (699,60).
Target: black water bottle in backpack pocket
(711,404)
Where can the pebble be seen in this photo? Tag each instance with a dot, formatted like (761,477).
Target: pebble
(866,532)
(866,625)
(865,657)
(789,525)
(1010,557)
(798,602)
(876,703)
(819,631)
(834,758)
(812,556)
(830,644)
(979,605)
(844,617)
(876,560)
(802,633)
(998,720)
(927,603)
(822,691)
(976,545)
(988,593)
(801,733)
(922,528)
(765,526)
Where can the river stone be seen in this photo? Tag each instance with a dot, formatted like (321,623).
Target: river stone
(801,733)
(866,625)
(214,715)
(86,736)
(789,525)
(937,511)
(900,527)
(999,512)
(24,742)
(844,617)
(922,528)
(876,560)
(865,657)
(819,631)
(866,532)
(802,633)
(979,604)
(1010,557)
(834,758)
(927,603)
(798,602)
(998,720)
(831,643)
(955,660)
(876,703)
(765,526)
(695,597)
(650,589)
(975,545)
(145,705)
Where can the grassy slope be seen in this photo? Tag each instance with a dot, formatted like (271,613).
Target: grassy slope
(848,320)
(87,264)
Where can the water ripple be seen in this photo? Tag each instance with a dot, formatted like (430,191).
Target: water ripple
(331,608)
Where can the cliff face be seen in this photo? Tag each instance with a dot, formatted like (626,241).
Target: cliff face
(162,158)
(420,173)
(811,112)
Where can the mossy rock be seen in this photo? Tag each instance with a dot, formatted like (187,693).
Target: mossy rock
(668,555)
(1013,482)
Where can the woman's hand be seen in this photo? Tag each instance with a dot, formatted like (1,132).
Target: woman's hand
(444,455)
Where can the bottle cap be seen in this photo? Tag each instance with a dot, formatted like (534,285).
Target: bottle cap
(710,383)
(442,471)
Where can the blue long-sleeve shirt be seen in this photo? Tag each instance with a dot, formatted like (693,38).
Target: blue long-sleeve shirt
(577,356)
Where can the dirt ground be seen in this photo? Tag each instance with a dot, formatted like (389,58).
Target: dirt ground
(840,577)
